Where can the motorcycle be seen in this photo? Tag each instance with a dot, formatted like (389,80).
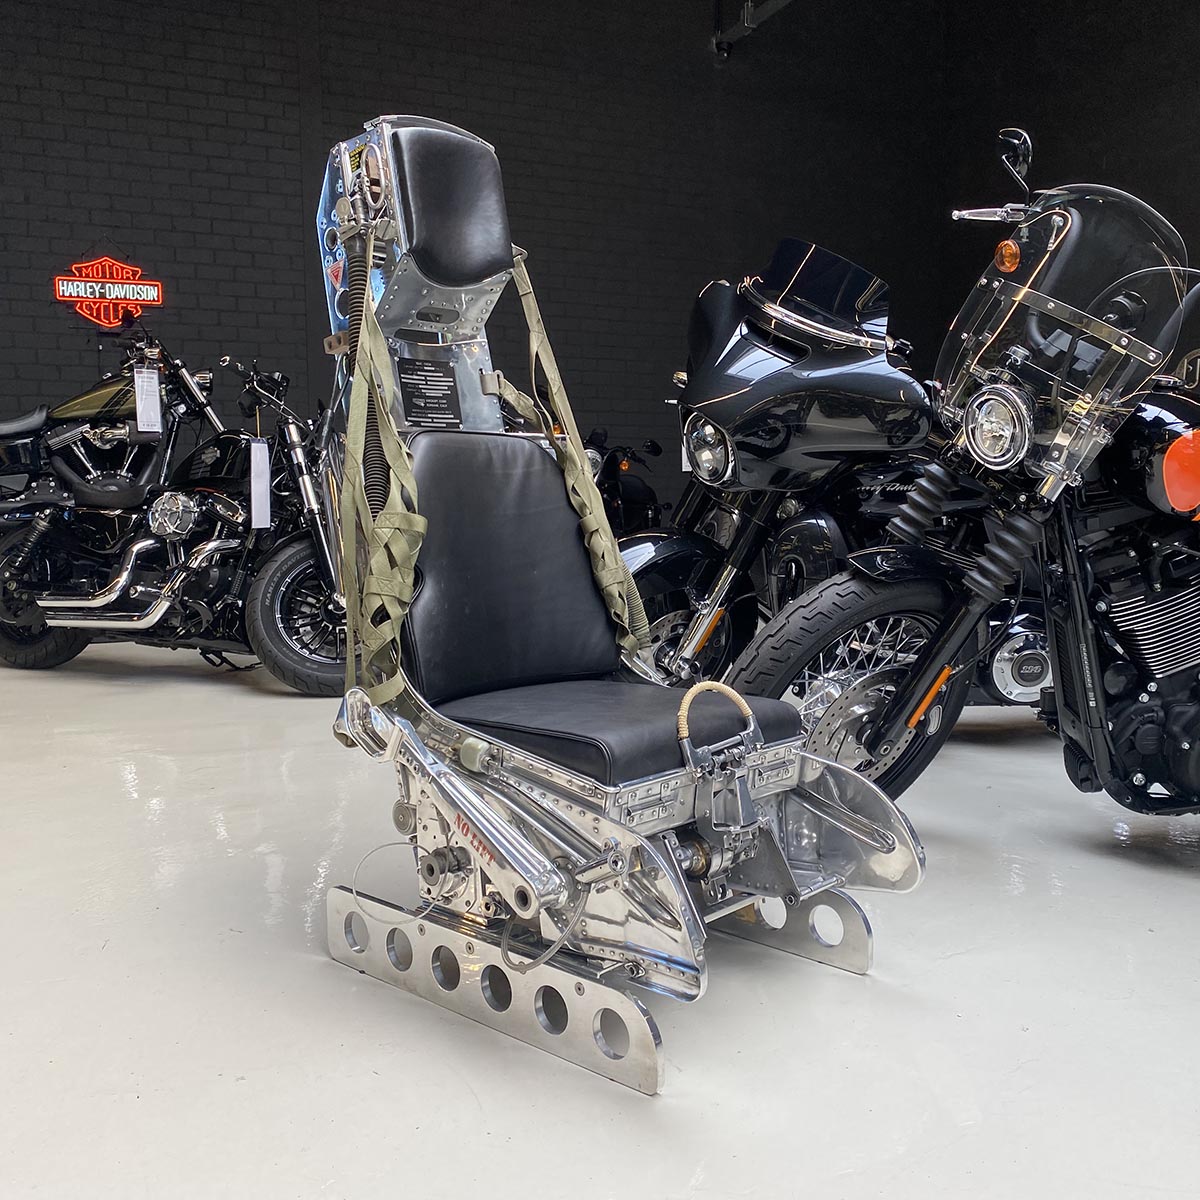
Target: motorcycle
(630,502)
(1066,390)
(805,432)
(104,536)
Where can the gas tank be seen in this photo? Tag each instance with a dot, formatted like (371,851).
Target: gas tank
(1155,454)
(222,463)
(111,399)
(795,411)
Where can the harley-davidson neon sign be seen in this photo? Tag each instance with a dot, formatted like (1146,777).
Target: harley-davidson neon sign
(104,290)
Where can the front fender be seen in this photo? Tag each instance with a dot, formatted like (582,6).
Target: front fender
(894,563)
(669,560)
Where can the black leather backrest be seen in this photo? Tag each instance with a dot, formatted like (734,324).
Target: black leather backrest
(453,206)
(505,593)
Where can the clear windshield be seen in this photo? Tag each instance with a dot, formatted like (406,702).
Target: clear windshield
(1073,322)
(809,290)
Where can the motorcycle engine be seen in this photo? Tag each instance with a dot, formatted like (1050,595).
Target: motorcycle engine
(173,515)
(1152,605)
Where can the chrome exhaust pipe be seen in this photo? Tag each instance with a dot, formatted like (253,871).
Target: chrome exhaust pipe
(113,590)
(101,619)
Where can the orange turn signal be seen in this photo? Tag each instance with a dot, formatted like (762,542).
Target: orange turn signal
(1008,256)
(624,464)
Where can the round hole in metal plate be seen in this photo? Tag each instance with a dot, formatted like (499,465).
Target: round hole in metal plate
(826,925)
(497,990)
(445,968)
(399,950)
(355,929)
(551,1009)
(611,1034)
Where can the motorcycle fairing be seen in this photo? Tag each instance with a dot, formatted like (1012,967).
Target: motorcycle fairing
(797,405)
(1090,312)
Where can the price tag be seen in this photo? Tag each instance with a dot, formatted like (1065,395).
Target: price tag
(260,483)
(149,404)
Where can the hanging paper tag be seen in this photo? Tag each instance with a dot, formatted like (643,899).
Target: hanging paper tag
(260,483)
(149,406)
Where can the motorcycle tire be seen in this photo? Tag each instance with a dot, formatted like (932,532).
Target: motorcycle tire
(36,646)
(838,618)
(291,625)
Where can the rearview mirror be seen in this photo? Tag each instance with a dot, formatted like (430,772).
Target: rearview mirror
(1016,153)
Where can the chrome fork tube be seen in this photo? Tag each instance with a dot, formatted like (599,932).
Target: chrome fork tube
(314,513)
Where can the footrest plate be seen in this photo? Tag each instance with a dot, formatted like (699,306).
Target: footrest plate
(565,1009)
(804,932)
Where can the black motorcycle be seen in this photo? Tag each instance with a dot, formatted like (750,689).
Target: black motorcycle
(630,503)
(111,530)
(805,433)
(1062,393)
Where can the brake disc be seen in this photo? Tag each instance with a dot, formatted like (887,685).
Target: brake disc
(837,734)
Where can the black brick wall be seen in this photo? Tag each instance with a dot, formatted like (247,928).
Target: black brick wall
(191,138)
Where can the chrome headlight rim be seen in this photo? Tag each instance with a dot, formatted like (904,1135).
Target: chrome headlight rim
(594,458)
(713,439)
(984,411)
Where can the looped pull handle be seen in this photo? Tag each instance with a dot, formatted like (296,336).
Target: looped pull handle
(710,685)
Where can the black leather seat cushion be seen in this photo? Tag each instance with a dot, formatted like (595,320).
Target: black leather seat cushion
(31,422)
(505,594)
(453,206)
(610,731)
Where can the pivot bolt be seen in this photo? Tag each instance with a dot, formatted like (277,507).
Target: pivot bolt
(1138,779)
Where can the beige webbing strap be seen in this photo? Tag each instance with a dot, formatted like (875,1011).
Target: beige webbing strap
(612,575)
(376,604)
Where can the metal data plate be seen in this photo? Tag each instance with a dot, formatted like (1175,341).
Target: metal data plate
(568,1010)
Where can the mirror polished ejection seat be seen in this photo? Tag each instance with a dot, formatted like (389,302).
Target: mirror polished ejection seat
(508,633)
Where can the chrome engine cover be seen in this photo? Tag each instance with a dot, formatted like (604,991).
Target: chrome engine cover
(173,515)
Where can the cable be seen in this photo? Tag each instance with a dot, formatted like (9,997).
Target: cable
(548,954)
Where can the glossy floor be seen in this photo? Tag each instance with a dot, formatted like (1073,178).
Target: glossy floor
(170,1025)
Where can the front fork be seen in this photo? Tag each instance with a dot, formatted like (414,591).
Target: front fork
(986,583)
(314,512)
(748,539)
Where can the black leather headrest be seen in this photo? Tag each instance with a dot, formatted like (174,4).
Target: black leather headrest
(505,592)
(453,200)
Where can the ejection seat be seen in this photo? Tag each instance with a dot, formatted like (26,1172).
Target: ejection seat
(576,827)
(508,634)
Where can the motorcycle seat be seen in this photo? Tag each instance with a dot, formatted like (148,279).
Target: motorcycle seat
(31,422)
(508,633)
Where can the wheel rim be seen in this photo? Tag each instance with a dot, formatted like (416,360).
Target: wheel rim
(850,680)
(307,617)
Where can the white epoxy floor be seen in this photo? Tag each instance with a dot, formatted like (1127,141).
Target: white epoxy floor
(170,1025)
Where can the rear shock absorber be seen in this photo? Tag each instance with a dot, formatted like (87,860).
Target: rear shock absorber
(29,543)
(924,505)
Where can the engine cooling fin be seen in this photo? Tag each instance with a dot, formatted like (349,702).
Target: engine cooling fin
(1160,633)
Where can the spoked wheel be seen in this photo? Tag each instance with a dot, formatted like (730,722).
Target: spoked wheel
(838,654)
(669,616)
(26,641)
(295,625)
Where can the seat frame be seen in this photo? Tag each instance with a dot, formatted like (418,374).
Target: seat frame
(536,830)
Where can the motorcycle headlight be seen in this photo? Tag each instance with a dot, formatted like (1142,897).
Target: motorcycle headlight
(595,460)
(709,452)
(998,426)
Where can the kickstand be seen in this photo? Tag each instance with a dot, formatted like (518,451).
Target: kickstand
(215,658)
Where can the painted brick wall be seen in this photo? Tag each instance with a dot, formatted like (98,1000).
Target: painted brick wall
(191,137)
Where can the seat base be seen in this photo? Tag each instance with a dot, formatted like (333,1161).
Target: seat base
(610,731)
